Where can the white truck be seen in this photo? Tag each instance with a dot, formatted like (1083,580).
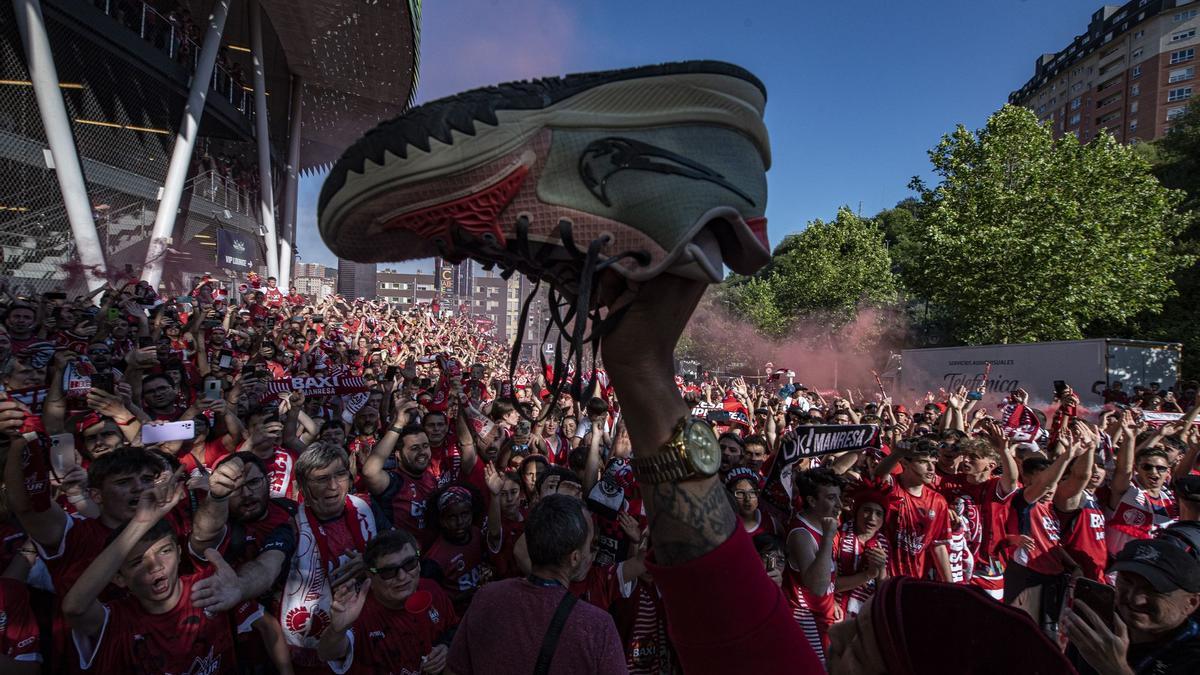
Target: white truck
(1034,367)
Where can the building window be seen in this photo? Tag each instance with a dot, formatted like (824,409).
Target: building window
(1135,90)
(1183,35)
(1184,16)
(1183,55)
(1133,125)
(1176,112)
(1137,71)
(1075,102)
(1103,102)
(1181,74)
(1139,34)
(1180,94)
(1074,119)
(1100,121)
(1137,53)
(1133,107)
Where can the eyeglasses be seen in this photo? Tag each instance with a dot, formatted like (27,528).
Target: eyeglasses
(772,562)
(388,573)
(335,478)
(745,494)
(254,484)
(1156,468)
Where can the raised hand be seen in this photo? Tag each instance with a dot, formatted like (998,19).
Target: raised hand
(155,503)
(219,592)
(629,525)
(493,478)
(226,478)
(12,417)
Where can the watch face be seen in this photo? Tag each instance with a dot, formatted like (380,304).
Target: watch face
(702,448)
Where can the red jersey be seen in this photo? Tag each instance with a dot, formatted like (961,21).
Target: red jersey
(985,508)
(765,524)
(83,540)
(273,297)
(1083,537)
(913,525)
(19,630)
(213,452)
(600,588)
(1039,522)
(848,553)
(1138,516)
(402,504)
(642,624)
(183,640)
(814,613)
(503,559)
(461,565)
(392,642)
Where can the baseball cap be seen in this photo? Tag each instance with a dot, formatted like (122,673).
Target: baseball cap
(1185,534)
(1187,487)
(1166,566)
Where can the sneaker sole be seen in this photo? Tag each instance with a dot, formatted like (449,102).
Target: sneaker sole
(497,126)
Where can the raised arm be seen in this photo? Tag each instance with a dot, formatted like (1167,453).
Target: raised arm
(1069,495)
(1123,471)
(1041,483)
(47,525)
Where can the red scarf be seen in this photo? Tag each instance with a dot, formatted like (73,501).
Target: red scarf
(349,519)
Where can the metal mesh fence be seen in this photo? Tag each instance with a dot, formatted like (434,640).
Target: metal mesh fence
(123,115)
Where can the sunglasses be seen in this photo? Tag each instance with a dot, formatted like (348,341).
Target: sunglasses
(388,573)
(1156,468)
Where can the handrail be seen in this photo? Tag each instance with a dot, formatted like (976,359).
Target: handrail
(222,81)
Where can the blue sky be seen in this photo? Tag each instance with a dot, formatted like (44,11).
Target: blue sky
(858,92)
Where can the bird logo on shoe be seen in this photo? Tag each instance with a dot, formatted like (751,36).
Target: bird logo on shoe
(606,157)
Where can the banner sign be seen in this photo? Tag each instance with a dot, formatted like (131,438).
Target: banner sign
(813,441)
(319,385)
(1158,419)
(234,250)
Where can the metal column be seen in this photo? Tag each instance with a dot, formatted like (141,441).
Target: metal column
(291,188)
(44,76)
(185,142)
(261,134)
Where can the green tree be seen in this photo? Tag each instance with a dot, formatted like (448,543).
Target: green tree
(828,271)
(1030,238)
(1179,158)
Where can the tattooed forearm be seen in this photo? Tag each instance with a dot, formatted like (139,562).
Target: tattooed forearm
(688,520)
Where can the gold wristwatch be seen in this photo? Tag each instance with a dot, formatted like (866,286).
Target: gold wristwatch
(692,452)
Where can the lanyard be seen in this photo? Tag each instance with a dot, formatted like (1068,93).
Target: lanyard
(543,583)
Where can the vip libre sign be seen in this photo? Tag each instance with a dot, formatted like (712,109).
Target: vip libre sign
(234,250)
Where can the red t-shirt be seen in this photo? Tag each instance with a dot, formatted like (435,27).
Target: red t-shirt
(214,451)
(504,560)
(848,553)
(1039,522)
(446,459)
(461,565)
(383,640)
(1084,537)
(19,630)
(403,504)
(985,510)
(184,640)
(599,587)
(913,524)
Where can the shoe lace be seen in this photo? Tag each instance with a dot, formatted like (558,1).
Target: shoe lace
(571,275)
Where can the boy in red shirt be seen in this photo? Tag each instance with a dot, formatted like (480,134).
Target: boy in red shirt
(918,522)
(156,628)
(395,622)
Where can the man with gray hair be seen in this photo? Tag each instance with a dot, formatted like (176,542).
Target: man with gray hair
(546,630)
(334,527)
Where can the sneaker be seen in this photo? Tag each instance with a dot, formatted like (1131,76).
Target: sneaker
(645,170)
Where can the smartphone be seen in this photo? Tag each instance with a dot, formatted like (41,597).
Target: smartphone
(1060,388)
(974,396)
(390,373)
(1100,598)
(171,431)
(62,453)
(103,382)
(318,319)
(212,389)
(113,313)
(225,360)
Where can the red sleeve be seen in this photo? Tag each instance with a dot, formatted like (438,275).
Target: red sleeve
(740,623)
(939,529)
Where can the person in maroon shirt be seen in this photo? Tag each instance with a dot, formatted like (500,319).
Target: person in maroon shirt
(395,621)
(559,538)
(455,560)
(400,493)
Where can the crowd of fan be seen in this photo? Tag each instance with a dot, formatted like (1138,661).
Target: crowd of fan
(274,484)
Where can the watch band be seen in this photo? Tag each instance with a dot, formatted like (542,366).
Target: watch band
(668,464)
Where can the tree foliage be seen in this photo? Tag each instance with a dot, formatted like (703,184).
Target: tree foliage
(1027,238)
(829,270)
